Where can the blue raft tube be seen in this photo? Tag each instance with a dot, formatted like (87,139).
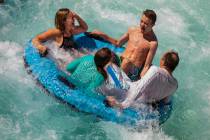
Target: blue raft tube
(46,72)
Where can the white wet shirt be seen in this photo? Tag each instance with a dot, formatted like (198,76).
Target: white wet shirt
(154,86)
(110,86)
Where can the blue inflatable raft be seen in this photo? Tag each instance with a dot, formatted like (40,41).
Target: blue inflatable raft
(46,73)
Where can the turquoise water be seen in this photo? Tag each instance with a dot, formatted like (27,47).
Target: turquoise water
(26,112)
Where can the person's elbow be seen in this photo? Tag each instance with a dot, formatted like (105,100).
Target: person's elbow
(118,43)
(114,42)
(37,40)
(145,69)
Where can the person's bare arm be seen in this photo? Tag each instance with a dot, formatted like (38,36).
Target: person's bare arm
(101,34)
(150,56)
(82,27)
(123,39)
(40,38)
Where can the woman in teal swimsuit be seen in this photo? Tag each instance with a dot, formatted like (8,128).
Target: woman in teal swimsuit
(89,72)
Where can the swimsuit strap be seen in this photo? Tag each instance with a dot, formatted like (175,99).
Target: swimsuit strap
(114,77)
(68,42)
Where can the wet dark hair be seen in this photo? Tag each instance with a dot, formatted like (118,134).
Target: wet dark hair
(101,58)
(151,15)
(171,60)
(60,18)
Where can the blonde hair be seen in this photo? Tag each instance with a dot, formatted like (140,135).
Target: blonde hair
(60,18)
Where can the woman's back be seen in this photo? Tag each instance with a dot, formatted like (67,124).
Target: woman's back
(84,73)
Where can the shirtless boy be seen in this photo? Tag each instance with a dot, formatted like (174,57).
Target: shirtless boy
(141,46)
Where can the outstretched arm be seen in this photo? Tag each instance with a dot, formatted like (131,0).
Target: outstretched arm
(40,38)
(104,36)
(123,39)
(82,27)
(150,57)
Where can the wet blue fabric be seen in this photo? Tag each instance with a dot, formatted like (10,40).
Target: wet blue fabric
(84,73)
(114,77)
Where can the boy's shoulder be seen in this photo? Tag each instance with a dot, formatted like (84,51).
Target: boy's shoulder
(133,28)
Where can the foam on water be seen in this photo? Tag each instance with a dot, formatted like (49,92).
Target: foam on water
(202,53)
(168,18)
(11,62)
(62,56)
(116,16)
(124,133)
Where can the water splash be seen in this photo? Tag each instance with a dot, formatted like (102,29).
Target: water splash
(119,132)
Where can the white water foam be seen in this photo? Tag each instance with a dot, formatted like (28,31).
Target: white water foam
(124,133)
(202,53)
(171,22)
(8,126)
(11,62)
(101,12)
(175,30)
(62,56)
(193,13)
